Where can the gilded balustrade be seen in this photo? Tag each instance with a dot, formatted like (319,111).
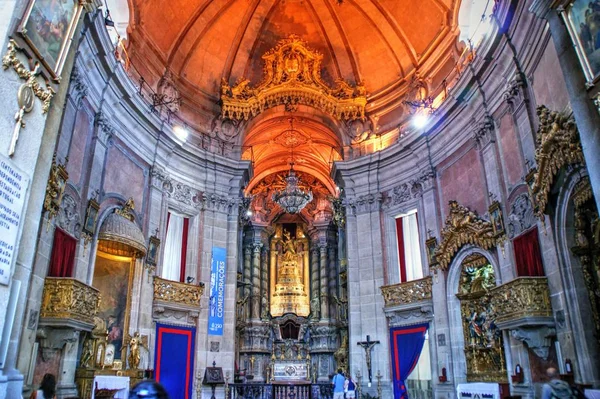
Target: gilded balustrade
(407,293)
(67,298)
(520,300)
(177,293)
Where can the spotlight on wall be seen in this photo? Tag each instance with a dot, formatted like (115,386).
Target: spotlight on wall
(420,120)
(181,132)
(248,213)
(189,279)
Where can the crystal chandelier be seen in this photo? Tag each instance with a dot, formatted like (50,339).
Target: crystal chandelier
(292,199)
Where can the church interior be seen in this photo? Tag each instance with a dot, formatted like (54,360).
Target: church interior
(237,198)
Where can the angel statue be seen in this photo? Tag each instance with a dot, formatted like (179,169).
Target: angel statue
(134,348)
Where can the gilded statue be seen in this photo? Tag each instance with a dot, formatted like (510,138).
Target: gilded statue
(289,245)
(134,349)
(87,354)
(341,355)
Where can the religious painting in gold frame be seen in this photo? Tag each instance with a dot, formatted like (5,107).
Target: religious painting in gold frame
(113,277)
(582,19)
(48,27)
(496,218)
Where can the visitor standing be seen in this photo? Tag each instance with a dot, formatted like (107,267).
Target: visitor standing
(350,387)
(338,385)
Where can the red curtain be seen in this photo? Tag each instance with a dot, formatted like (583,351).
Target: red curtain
(527,254)
(401,256)
(184,240)
(63,255)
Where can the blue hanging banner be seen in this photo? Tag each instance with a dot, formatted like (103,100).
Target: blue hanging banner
(216,303)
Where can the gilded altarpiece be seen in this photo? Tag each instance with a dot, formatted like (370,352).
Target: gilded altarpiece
(484,351)
(289,271)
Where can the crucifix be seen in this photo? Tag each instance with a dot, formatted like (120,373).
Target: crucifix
(368,346)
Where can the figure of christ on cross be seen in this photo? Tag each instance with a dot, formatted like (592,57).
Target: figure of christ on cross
(368,346)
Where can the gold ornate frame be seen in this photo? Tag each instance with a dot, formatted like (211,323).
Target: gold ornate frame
(56,69)
(129,286)
(567,14)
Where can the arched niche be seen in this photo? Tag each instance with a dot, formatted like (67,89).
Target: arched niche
(465,296)
(120,244)
(576,314)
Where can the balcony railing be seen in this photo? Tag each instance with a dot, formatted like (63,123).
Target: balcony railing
(174,292)
(522,301)
(69,299)
(407,293)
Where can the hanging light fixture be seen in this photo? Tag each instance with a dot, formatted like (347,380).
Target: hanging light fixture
(292,199)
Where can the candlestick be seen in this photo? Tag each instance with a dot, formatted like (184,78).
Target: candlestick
(379,377)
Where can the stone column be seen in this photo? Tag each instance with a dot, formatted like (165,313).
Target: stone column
(333,280)
(247,279)
(315,278)
(256,276)
(323,294)
(585,112)
(264,282)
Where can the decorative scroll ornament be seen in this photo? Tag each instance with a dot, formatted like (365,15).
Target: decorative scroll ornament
(55,188)
(558,145)
(463,226)
(10,60)
(292,76)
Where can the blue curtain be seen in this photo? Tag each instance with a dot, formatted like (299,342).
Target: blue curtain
(174,359)
(407,343)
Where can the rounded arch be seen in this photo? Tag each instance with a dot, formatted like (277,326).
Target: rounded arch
(575,332)
(457,339)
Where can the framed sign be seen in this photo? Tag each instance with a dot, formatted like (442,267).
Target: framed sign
(583,22)
(48,27)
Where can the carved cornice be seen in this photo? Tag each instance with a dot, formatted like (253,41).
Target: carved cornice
(292,76)
(182,193)
(558,146)
(10,59)
(167,291)
(219,203)
(67,298)
(407,293)
(365,203)
(463,226)
(515,89)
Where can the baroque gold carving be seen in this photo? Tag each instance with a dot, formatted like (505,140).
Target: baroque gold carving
(55,188)
(407,293)
(175,292)
(582,192)
(292,76)
(520,298)
(558,145)
(10,60)
(67,298)
(463,226)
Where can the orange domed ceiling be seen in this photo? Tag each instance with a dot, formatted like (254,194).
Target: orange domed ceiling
(379,43)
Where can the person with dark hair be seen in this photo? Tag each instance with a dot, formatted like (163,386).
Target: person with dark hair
(148,389)
(47,388)
(338,385)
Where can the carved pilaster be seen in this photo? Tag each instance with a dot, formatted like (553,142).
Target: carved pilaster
(484,134)
(104,128)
